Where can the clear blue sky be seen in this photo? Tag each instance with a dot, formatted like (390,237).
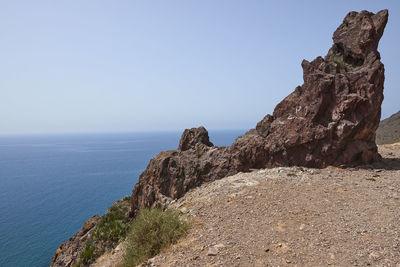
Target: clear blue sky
(99,66)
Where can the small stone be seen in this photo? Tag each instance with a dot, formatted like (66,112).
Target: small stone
(302,226)
(184,210)
(374,255)
(213,251)
(266,250)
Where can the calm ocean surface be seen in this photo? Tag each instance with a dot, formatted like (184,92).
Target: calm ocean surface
(51,184)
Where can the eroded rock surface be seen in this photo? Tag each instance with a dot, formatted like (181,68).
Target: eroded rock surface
(98,236)
(330,120)
(67,254)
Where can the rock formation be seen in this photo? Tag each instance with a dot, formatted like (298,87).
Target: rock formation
(330,120)
(98,235)
(67,254)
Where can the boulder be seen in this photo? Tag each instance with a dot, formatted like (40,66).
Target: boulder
(192,137)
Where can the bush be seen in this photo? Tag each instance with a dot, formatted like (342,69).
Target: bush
(152,231)
(109,231)
(87,253)
(112,226)
(340,62)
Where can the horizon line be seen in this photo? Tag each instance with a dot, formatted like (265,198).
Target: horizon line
(114,132)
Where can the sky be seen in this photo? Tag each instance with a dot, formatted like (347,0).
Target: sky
(124,66)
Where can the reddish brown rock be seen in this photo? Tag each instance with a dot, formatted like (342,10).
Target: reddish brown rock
(330,120)
(194,137)
(67,254)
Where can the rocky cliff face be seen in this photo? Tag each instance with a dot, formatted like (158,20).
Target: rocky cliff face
(68,253)
(98,235)
(330,120)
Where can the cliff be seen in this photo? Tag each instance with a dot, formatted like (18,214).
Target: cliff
(98,236)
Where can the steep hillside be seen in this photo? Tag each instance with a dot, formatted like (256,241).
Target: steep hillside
(389,130)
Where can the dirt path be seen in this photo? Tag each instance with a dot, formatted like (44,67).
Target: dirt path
(294,217)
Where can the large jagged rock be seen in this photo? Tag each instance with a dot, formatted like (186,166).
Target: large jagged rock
(330,120)
(194,137)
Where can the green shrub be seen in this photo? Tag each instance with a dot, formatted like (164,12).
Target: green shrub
(110,230)
(339,62)
(112,226)
(152,231)
(87,253)
(127,198)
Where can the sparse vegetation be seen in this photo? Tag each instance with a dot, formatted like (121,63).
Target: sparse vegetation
(340,62)
(87,253)
(110,230)
(112,226)
(152,231)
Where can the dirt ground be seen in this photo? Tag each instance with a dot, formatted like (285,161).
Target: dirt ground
(293,217)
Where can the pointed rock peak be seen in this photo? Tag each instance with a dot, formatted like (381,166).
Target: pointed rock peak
(360,32)
(191,137)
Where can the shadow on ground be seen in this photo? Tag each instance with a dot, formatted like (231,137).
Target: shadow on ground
(385,164)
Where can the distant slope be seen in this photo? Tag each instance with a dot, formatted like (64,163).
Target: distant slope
(389,130)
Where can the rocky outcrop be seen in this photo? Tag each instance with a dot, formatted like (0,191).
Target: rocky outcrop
(330,120)
(99,235)
(389,130)
(68,253)
(194,137)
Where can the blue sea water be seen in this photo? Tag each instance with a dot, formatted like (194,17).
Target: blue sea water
(51,184)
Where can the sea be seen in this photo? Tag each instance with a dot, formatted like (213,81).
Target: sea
(51,184)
